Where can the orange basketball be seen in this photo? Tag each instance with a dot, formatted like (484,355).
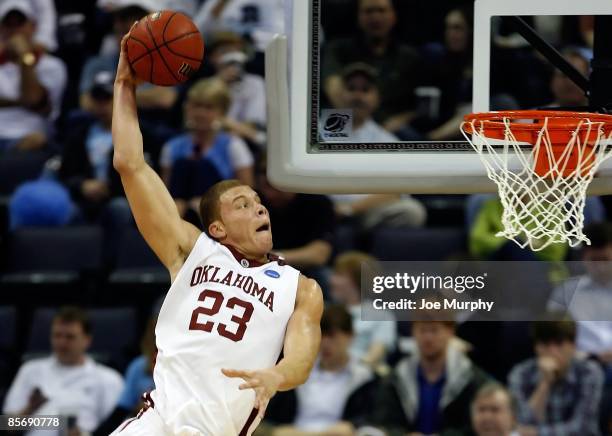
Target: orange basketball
(165,48)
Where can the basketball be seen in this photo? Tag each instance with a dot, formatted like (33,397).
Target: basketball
(165,48)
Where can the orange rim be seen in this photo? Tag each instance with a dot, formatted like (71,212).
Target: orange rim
(557,120)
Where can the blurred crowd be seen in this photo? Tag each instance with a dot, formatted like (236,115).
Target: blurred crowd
(404,69)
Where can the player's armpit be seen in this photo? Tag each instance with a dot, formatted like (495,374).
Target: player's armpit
(303,336)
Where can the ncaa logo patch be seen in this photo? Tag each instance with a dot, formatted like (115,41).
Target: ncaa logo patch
(272,273)
(336,124)
(244,263)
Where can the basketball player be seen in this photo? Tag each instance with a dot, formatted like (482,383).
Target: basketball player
(231,308)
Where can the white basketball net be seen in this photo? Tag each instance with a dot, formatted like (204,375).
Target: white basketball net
(540,210)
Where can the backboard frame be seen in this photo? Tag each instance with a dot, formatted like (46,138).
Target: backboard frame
(295,165)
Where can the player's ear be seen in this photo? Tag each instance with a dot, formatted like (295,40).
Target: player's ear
(216,229)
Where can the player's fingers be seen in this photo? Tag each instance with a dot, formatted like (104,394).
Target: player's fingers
(251,384)
(236,373)
(261,408)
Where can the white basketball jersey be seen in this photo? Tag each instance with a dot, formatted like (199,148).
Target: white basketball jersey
(220,312)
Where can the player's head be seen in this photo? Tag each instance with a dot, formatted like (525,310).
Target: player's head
(555,338)
(566,92)
(232,213)
(336,335)
(346,278)
(432,337)
(458,29)
(493,411)
(359,91)
(376,18)
(16,18)
(208,100)
(70,335)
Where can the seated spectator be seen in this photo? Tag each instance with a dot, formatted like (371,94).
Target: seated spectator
(483,242)
(86,163)
(304,225)
(258,20)
(194,161)
(493,411)
(31,82)
(430,391)
(338,393)
(67,383)
(372,339)
(376,46)
(588,297)
(138,380)
(153,101)
(556,392)
(360,95)
(246,116)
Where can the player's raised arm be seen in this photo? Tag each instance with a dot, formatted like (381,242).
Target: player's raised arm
(155,213)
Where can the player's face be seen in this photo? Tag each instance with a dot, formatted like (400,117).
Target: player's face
(245,221)
(376,18)
(432,338)
(69,342)
(492,415)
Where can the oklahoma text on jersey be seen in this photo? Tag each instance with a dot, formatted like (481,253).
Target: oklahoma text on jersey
(213,274)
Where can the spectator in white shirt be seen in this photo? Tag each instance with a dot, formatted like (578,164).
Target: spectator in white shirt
(372,339)
(588,297)
(67,383)
(31,82)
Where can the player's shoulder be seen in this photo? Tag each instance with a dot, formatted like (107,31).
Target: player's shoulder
(309,288)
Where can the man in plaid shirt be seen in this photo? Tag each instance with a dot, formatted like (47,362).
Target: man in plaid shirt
(557,394)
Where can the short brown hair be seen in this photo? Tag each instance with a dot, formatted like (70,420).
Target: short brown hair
(70,314)
(555,327)
(336,319)
(350,263)
(491,388)
(211,90)
(209,204)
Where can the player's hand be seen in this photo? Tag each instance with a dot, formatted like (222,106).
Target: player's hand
(125,74)
(264,382)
